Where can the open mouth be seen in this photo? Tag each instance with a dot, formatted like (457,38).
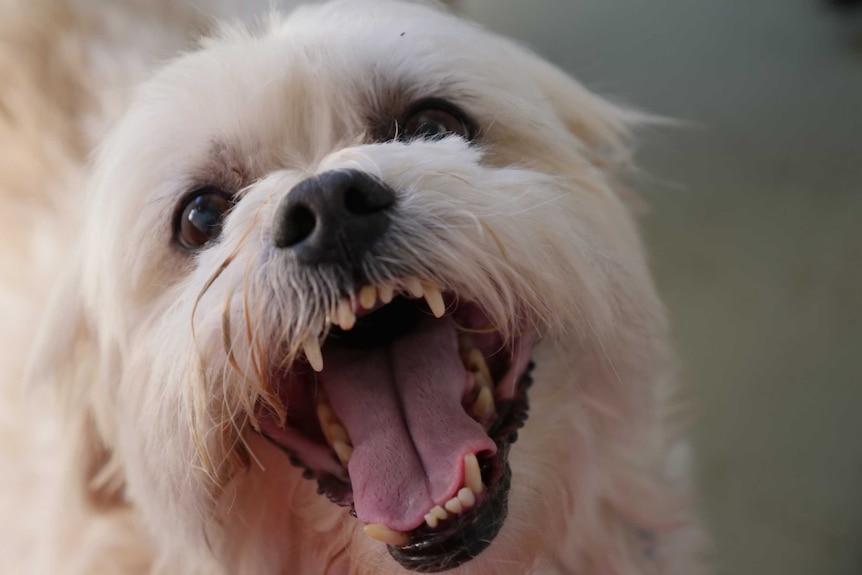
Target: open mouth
(405,413)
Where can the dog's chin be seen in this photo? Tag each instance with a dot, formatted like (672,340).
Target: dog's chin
(405,416)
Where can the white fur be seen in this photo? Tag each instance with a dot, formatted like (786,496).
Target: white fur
(156,467)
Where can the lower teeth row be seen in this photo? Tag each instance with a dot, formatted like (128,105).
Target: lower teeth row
(482,408)
(466,498)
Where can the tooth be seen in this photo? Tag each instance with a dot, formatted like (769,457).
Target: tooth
(482,380)
(336,432)
(313,354)
(438,512)
(475,361)
(472,474)
(466,497)
(471,382)
(435,300)
(325,415)
(346,317)
(387,535)
(431,521)
(368,296)
(387,292)
(414,286)
(454,506)
(484,406)
(343,451)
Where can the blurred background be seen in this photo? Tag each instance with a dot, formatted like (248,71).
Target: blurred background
(755,233)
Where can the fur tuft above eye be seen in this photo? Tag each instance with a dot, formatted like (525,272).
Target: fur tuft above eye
(200,216)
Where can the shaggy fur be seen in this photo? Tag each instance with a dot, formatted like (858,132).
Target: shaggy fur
(133,448)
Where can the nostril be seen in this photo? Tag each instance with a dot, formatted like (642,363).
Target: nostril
(356,202)
(362,200)
(299,223)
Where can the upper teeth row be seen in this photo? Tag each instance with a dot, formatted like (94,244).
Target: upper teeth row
(343,316)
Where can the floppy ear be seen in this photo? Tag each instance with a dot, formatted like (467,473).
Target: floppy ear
(602,127)
(65,356)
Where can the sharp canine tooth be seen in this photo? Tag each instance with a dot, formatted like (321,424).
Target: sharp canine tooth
(438,512)
(454,506)
(435,300)
(343,451)
(414,286)
(484,405)
(431,520)
(346,317)
(313,354)
(466,497)
(472,474)
(386,535)
(387,292)
(368,296)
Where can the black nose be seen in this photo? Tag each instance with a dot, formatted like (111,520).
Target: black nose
(334,217)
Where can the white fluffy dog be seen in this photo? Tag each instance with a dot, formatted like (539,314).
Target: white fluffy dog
(298,299)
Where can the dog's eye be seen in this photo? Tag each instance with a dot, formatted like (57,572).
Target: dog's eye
(200,218)
(435,119)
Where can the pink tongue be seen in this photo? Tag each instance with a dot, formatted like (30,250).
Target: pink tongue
(401,405)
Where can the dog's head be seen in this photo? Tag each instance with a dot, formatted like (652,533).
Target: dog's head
(324,256)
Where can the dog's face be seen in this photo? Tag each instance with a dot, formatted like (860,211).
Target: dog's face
(322,258)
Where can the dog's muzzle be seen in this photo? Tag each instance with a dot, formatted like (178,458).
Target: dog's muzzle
(409,397)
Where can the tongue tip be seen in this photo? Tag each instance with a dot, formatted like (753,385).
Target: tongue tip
(403,506)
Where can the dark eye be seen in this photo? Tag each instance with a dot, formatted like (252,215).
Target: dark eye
(200,218)
(435,119)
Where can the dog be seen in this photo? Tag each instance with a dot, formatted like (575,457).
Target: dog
(351,290)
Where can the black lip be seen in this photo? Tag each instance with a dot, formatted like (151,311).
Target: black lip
(463,540)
